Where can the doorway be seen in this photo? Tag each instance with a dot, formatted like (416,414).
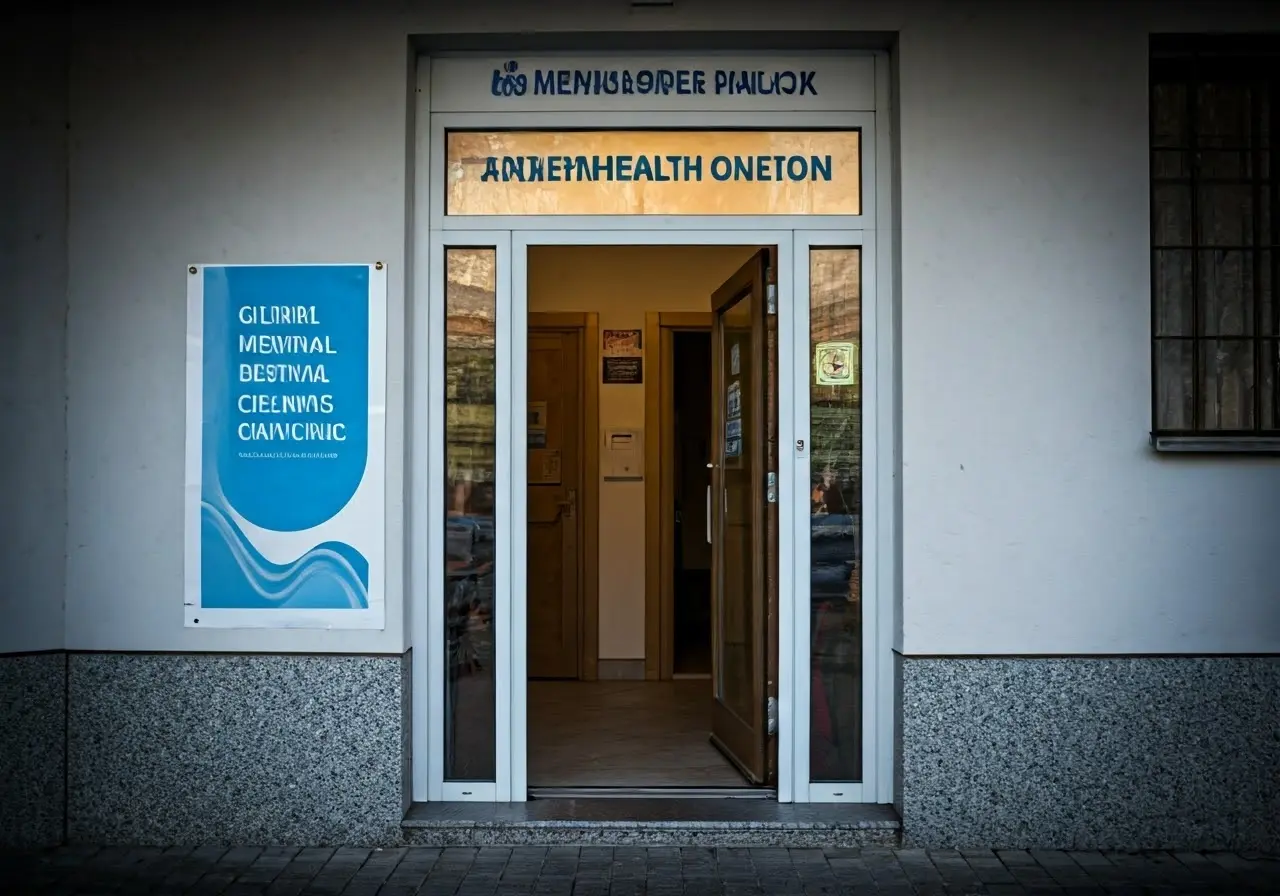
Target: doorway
(690,439)
(623,729)
(821,292)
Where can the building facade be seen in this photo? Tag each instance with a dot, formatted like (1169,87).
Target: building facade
(1067,513)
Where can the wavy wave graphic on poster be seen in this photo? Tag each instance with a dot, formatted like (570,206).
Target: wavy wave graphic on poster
(331,575)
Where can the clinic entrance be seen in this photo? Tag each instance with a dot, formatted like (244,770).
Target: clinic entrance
(596,718)
(648,474)
(653,503)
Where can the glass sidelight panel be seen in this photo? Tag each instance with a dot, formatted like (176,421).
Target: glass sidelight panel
(835,423)
(470,452)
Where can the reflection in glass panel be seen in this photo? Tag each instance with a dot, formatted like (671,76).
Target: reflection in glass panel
(1226,293)
(835,578)
(1226,373)
(470,355)
(1270,380)
(653,173)
(737,636)
(1175,368)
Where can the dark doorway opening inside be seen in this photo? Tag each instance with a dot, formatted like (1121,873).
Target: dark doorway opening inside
(691,591)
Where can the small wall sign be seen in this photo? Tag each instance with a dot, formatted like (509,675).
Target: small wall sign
(623,371)
(836,363)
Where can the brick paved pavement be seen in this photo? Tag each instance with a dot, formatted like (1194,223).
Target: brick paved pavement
(631,870)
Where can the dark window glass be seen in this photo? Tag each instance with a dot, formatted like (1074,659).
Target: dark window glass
(1213,240)
(835,521)
(470,434)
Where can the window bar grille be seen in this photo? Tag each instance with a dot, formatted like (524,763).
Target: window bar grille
(1193,161)
(1257,197)
(1271,154)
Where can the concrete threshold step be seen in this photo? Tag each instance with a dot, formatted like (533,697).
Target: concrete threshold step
(638,821)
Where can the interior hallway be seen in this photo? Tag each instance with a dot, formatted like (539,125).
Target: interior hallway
(624,734)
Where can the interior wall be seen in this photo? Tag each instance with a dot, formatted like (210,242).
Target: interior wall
(621,284)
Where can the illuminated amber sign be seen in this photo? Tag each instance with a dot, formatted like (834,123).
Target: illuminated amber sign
(654,173)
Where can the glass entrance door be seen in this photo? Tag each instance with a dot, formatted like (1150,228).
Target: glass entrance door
(743,488)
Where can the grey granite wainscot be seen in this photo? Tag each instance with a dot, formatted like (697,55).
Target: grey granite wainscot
(32,749)
(1092,753)
(180,749)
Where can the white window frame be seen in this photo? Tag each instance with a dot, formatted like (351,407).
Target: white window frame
(793,235)
(438,788)
(877,681)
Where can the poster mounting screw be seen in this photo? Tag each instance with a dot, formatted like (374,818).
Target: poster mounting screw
(191,270)
(377,266)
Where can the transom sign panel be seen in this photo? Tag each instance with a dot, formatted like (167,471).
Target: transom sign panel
(654,172)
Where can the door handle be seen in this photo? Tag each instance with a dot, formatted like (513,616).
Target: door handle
(709,467)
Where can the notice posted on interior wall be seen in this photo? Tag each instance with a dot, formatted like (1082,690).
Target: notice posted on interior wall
(623,357)
(285,465)
(623,343)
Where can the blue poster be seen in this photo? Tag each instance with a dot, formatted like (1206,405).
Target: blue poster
(290,490)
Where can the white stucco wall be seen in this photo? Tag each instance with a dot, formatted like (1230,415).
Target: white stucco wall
(209,140)
(33,284)
(1035,519)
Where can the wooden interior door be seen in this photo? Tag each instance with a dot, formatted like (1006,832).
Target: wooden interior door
(742,424)
(554,484)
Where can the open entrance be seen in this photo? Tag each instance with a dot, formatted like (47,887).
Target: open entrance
(626,691)
(690,573)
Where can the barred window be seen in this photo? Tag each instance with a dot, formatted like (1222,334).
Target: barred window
(1215,326)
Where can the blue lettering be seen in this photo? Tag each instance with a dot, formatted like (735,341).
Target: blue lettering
(513,168)
(631,168)
(507,82)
